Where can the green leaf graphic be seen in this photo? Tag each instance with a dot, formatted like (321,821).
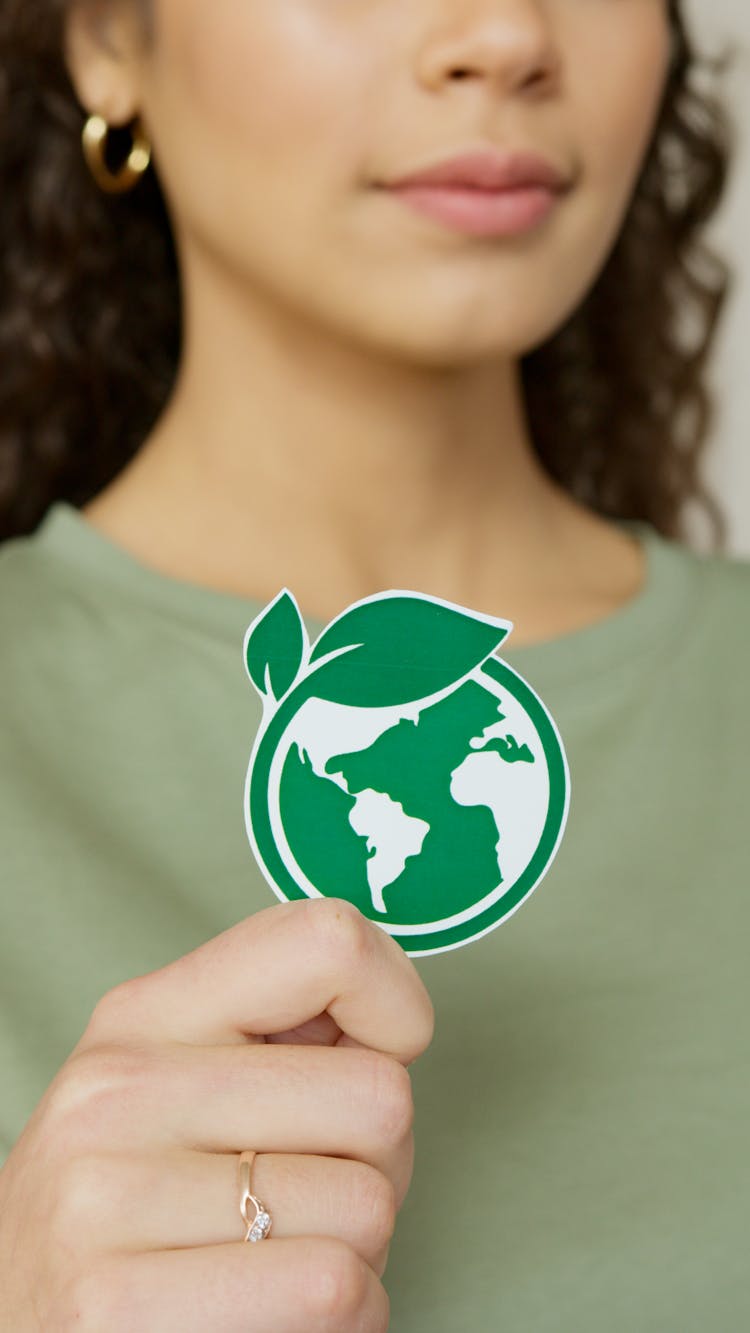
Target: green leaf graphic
(275,646)
(399,648)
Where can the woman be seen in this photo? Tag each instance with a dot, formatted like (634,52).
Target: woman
(261,362)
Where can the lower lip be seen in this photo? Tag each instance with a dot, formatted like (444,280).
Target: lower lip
(477,212)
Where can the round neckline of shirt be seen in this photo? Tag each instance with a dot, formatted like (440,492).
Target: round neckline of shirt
(637,627)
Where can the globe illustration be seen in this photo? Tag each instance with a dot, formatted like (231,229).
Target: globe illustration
(436,813)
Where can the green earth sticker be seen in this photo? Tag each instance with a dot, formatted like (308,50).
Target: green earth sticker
(402,765)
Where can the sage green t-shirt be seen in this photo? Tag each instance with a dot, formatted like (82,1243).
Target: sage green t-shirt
(583,1114)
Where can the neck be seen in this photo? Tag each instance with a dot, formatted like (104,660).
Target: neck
(290,455)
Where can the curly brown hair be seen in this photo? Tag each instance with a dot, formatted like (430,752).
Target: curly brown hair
(90,308)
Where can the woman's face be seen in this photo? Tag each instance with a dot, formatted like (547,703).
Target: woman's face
(273,120)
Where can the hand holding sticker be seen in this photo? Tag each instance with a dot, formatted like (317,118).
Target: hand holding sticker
(401,765)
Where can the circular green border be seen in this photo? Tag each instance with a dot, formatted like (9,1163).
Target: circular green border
(436,941)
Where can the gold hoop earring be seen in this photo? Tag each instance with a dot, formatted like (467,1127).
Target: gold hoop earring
(94,139)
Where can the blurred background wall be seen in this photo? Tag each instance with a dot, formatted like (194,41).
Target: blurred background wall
(728,460)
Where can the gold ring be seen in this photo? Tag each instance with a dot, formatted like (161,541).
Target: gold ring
(259,1225)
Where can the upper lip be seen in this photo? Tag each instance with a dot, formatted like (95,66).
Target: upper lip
(489,170)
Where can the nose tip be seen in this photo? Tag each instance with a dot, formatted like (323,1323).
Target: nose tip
(513,45)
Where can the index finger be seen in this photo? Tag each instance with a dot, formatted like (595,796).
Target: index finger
(273,971)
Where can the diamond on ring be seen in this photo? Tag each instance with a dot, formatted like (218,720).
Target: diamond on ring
(260,1227)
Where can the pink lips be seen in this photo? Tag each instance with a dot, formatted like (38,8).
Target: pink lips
(485,193)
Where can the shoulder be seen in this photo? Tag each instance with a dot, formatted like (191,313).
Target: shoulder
(720,603)
(724,575)
(29,589)
(48,612)
(24,578)
(706,601)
